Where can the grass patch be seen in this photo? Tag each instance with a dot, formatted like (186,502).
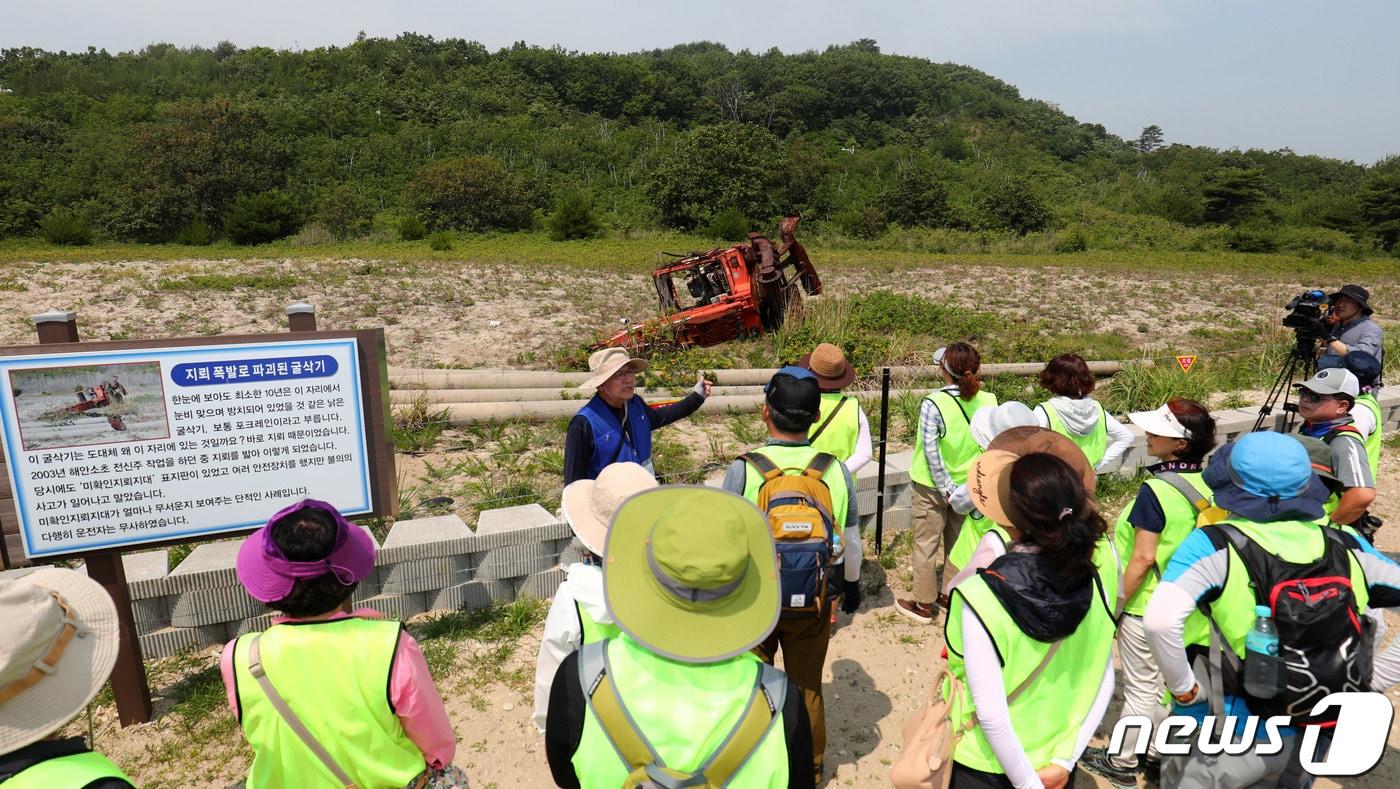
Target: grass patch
(418,427)
(228,282)
(472,647)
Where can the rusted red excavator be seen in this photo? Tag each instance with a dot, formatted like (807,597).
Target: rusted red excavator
(738,291)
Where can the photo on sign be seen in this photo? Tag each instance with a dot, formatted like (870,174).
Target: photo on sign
(60,407)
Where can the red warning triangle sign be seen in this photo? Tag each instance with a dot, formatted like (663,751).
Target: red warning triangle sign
(1186,363)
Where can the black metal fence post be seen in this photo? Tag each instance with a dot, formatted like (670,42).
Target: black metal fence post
(880,481)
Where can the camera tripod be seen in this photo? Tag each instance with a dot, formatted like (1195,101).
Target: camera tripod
(1302,360)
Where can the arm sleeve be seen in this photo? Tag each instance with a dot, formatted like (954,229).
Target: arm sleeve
(988,687)
(734,477)
(987,551)
(1368,339)
(1096,713)
(931,426)
(1196,569)
(961,500)
(565,729)
(1363,420)
(865,448)
(1120,440)
(662,415)
(418,705)
(578,448)
(561,637)
(1042,418)
(851,528)
(797,731)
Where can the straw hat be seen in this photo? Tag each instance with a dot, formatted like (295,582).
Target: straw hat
(691,573)
(589,504)
(59,647)
(989,481)
(830,365)
(604,364)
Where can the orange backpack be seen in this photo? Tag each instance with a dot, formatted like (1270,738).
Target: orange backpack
(798,507)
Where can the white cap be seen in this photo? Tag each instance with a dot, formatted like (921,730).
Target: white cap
(988,423)
(1332,381)
(1161,422)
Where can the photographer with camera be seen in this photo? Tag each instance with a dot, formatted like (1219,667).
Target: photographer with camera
(1352,326)
(1325,402)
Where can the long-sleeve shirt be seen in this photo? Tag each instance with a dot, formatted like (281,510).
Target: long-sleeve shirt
(411,691)
(1198,568)
(1362,334)
(563,633)
(988,688)
(932,428)
(736,476)
(578,442)
(865,448)
(1120,438)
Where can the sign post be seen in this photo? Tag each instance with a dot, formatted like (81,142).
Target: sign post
(110,445)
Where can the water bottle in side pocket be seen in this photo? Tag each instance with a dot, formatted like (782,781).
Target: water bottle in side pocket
(1263,668)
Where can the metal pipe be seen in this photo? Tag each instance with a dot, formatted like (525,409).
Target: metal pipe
(435,396)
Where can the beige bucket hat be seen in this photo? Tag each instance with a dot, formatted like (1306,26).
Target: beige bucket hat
(589,504)
(59,647)
(604,364)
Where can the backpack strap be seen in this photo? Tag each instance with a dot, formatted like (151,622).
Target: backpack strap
(829,417)
(1188,491)
(618,726)
(1342,430)
(765,703)
(762,465)
(817,468)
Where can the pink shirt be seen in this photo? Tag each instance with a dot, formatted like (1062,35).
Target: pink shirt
(411,689)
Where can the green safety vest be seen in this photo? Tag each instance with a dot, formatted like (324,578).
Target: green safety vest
(74,770)
(956,448)
(1068,685)
(839,436)
(975,526)
(592,629)
(1181,520)
(797,458)
(1094,446)
(1373,441)
(685,711)
(1233,611)
(335,676)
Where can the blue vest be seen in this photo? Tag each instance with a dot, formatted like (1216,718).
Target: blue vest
(608,444)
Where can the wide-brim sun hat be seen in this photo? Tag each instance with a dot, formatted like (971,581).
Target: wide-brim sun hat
(52,662)
(988,423)
(268,575)
(829,364)
(606,363)
(690,573)
(1161,422)
(589,504)
(988,481)
(1266,476)
(1357,294)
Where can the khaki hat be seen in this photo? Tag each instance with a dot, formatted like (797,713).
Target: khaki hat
(830,366)
(691,573)
(988,482)
(59,647)
(604,364)
(589,504)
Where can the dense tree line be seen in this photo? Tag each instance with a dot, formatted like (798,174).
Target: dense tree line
(189,145)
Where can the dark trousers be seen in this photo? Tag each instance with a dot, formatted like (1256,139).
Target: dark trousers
(804,643)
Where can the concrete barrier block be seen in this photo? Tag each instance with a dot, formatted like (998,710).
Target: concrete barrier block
(471,595)
(541,585)
(145,573)
(150,614)
(171,641)
(255,624)
(208,565)
(896,519)
(570,551)
(509,519)
(513,561)
(397,606)
(426,575)
(426,531)
(212,606)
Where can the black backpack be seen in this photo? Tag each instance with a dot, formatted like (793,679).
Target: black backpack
(1324,640)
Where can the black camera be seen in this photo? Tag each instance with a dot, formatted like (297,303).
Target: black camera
(1307,317)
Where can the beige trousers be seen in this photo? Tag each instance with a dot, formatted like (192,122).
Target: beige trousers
(935,525)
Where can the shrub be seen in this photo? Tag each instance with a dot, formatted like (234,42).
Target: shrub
(196,233)
(344,212)
(1013,205)
(730,225)
(441,241)
(470,193)
(573,217)
(716,167)
(1252,239)
(917,200)
(868,222)
(1072,240)
(411,228)
(64,227)
(260,218)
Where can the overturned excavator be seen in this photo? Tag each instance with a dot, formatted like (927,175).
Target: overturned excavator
(726,293)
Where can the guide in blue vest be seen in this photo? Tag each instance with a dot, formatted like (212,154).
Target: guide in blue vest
(615,426)
(59,646)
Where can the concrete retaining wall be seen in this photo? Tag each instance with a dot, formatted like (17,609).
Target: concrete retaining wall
(438,564)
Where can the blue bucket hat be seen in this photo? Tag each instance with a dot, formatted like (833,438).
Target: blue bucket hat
(1266,477)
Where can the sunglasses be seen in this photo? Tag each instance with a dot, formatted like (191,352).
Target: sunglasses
(1313,397)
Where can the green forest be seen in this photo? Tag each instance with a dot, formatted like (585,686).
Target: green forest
(402,138)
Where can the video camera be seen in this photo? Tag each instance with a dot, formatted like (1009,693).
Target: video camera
(1307,317)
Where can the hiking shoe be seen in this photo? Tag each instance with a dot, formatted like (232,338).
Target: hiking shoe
(1151,770)
(1097,761)
(919,612)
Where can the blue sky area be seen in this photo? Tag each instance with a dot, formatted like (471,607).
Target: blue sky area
(1316,77)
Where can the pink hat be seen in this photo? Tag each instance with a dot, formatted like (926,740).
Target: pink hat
(268,576)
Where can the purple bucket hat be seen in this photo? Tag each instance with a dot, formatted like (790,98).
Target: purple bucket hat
(268,576)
